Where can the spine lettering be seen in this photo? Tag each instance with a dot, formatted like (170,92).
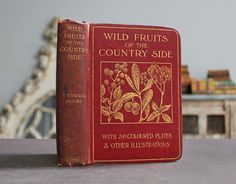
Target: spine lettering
(72,93)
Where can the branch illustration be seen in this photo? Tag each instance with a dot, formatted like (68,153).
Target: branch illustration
(111,92)
(143,106)
(160,76)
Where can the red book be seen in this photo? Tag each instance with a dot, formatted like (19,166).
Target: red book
(118,93)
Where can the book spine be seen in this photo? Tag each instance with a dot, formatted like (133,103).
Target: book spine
(72,93)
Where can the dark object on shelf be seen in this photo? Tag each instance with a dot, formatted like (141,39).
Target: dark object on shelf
(219,75)
(186,80)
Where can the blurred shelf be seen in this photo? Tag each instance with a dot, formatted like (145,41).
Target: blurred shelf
(209,116)
(208,97)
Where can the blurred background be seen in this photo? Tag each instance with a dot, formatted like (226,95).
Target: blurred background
(28,48)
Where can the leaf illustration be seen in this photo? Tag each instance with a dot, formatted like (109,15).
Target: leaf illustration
(153,115)
(154,106)
(105,111)
(117,105)
(135,74)
(129,81)
(166,117)
(103,90)
(127,96)
(147,98)
(117,93)
(164,108)
(149,85)
(119,116)
(104,100)
(147,111)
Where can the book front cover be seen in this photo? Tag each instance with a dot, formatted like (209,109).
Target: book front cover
(136,95)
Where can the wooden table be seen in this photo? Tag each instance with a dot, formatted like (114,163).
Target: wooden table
(34,161)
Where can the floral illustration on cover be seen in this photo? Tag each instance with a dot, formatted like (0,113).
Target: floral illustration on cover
(135,92)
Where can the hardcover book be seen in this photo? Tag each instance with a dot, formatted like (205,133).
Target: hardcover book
(118,93)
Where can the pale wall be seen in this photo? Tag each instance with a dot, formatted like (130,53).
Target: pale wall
(208,30)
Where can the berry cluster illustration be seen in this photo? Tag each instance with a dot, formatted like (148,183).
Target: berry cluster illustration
(139,100)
